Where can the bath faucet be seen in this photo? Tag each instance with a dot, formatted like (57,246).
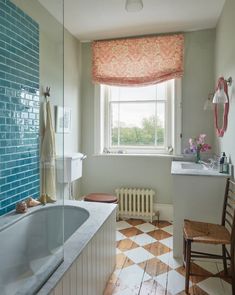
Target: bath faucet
(210,165)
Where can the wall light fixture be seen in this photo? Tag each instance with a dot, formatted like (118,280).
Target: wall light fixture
(134,5)
(221,95)
(208,106)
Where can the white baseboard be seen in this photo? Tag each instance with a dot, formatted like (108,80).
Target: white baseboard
(165,211)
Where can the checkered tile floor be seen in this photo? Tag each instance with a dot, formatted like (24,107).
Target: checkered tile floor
(145,264)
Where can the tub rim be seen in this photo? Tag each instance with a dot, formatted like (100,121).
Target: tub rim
(12,217)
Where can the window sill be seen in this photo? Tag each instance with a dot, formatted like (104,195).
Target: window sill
(139,155)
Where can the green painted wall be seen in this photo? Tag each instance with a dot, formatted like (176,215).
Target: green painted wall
(225,66)
(105,173)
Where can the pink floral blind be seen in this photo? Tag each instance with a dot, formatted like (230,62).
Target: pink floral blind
(138,61)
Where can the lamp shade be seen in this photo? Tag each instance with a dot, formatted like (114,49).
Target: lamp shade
(220,96)
(134,5)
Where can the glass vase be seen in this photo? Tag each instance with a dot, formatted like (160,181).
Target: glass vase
(197,157)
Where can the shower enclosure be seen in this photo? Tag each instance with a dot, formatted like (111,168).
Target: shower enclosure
(31,68)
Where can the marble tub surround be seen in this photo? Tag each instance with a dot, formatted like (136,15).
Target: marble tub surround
(76,250)
(76,240)
(27,256)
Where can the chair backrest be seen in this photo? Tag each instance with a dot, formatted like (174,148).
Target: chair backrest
(228,215)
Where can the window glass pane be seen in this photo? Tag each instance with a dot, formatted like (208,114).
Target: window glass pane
(161,91)
(133,93)
(114,92)
(136,118)
(114,123)
(160,130)
(136,125)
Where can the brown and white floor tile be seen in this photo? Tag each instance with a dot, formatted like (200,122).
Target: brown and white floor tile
(228,280)
(169,229)
(159,234)
(151,287)
(210,266)
(161,223)
(122,225)
(170,260)
(194,290)
(112,282)
(138,255)
(168,242)
(118,251)
(126,244)
(127,291)
(172,281)
(145,264)
(143,239)
(135,222)
(197,270)
(157,249)
(220,265)
(130,232)
(131,276)
(123,261)
(146,227)
(119,236)
(227,287)
(154,267)
(215,286)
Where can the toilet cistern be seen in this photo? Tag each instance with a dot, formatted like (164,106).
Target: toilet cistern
(69,169)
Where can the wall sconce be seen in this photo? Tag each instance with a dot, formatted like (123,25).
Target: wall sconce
(134,5)
(221,97)
(208,106)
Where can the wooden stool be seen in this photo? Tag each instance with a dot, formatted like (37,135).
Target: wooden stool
(101,198)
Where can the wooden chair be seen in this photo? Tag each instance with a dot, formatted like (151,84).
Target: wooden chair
(215,234)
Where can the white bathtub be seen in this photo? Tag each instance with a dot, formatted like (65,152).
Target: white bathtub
(31,246)
(89,254)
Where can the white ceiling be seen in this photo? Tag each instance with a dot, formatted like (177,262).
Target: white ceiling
(102,19)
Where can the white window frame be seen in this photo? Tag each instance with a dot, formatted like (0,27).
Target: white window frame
(173,124)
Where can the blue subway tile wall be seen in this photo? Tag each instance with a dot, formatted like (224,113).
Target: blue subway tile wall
(19,106)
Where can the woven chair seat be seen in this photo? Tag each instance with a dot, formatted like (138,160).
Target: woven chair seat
(214,234)
(207,233)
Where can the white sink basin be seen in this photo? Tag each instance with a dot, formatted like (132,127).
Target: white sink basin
(193,166)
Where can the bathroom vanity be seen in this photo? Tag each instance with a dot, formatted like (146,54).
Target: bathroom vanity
(197,194)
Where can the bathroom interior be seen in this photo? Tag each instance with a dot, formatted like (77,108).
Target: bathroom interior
(116,126)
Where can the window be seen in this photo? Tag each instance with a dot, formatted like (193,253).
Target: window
(137,119)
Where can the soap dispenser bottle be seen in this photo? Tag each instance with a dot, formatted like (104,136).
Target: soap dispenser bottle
(221,163)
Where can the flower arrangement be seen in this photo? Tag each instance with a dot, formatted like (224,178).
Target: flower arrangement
(197,145)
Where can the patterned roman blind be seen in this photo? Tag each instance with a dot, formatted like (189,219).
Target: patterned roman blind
(138,61)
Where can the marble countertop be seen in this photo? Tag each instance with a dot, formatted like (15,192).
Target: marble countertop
(191,168)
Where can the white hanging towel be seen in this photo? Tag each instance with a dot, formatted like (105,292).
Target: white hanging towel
(48,154)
